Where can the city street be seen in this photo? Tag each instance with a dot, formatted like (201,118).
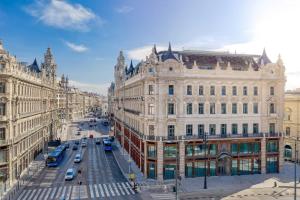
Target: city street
(100,175)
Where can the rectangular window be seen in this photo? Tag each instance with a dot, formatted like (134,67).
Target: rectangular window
(2,87)
(199,168)
(212,90)
(234,91)
(255,91)
(189,129)
(245,129)
(223,108)
(189,108)
(151,151)
(272,108)
(223,90)
(223,129)
(151,130)
(200,129)
(287,131)
(199,150)
(151,89)
(272,92)
(245,108)
(171,130)
(171,109)
(2,133)
(151,109)
(189,90)
(212,108)
(212,129)
(212,149)
(272,128)
(234,108)
(245,166)
(170,151)
(272,146)
(189,150)
(169,171)
(234,148)
(234,167)
(171,89)
(3,109)
(272,164)
(201,108)
(245,91)
(255,128)
(151,170)
(234,129)
(255,108)
(201,90)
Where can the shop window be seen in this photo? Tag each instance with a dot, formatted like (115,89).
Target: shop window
(234,149)
(245,166)
(151,170)
(272,146)
(169,171)
(170,151)
(199,168)
(234,167)
(272,164)
(256,166)
(212,168)
(189,150)
(189,169)
(212,149)
(151,151)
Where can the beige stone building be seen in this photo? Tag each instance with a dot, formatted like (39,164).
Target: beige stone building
(28,112)
(165,105)
(292,124)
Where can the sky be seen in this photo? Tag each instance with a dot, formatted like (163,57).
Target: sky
(86,35)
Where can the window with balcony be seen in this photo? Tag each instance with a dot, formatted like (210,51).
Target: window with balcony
(151,89)
(245,91)
(272,92)
(223,93)
(234,91)
(189,90)
(151,110)
(287,131)
(255,91)
(234,129)
(223,129)
(272,146)
(2,133)
(189,130)
(171,89)
(245,129)
(234,108)
(151,151)
(212,90)
(245,108)
(201,108)
(255,128)
(171,130)
(189,108)
(212,129)
(2,87)
(255,108)
(3,109)
(223,108)
(272,108)
(171,109)
(201,90)
(212,108)
(272,128)
(200,129)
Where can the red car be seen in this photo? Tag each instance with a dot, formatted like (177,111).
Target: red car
(91,136)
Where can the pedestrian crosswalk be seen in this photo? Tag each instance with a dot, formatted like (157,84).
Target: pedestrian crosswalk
(70,192)
(163,196)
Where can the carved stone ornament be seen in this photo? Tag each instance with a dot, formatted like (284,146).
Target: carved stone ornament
(3,99)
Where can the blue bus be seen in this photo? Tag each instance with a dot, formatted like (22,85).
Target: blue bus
(107,145)
(56,156)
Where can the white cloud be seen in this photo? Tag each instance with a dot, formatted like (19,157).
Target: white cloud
(62,14)
(76,47)
(100,89)
(124,9)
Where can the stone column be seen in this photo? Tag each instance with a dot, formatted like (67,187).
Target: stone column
(281,153)
(181,158)
(160,159)
(263,155)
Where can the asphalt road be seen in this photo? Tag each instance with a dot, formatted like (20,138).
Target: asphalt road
(101,177)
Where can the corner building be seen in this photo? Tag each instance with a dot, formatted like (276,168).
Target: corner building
(165,105)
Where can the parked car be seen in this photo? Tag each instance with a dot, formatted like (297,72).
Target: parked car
(76,142)
(70,175)
(77,158)
(75,147)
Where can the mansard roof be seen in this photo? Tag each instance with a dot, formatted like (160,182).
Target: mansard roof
(34,67)
(165,55)
(264,59)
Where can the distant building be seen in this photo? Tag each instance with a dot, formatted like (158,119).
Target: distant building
(166,104)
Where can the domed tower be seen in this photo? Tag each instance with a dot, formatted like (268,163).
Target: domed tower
(49,66)
(120,69)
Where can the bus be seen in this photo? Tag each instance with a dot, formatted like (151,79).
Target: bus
(56,156)
(107,145)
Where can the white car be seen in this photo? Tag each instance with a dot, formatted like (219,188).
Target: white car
(83,144)
(70,175)
(77,158)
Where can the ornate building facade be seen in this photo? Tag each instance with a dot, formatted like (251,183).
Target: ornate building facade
(28,115)
(187,109)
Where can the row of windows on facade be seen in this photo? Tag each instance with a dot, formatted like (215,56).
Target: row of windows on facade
(212,108)
(234,91)
(213,129)
(25,107)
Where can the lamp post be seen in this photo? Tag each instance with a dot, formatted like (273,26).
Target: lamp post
(205,158)
(295,169)
(176,172)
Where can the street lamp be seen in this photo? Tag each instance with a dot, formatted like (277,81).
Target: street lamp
(295,169)
(176,172)
(205,158)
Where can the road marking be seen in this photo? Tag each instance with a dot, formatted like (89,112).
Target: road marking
(43,192)
(111,190)
(37,194)
(58,192)
(116,189)
(48,192)
(125,188)
(121,189)
(101,190)
(69,192)
(91,191)
(96,190)
(130,189)
(22,194)
(53,193)
(63,192)
(106,190)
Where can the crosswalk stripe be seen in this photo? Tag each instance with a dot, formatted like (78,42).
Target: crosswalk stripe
(53,193)
(58,192)
(63,192)
(111,190)
(116,189)
(121,189)
(48,192)
(37,194)
(106,191)
(43,193)
(96,190)
(69,193)
(125,188)
(101,190)
(91,191)
(32,193)
(22,194)
(129,187)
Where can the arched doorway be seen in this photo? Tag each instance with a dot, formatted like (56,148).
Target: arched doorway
(224,164)
(288,152)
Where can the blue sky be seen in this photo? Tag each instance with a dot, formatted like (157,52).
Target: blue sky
(86,35)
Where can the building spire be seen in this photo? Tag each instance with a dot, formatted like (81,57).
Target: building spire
(264,59)
(154,49)
(169,48)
